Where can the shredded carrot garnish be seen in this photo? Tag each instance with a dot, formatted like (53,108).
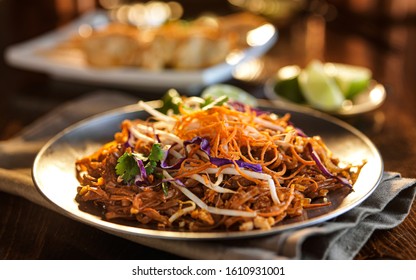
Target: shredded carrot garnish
(186,172)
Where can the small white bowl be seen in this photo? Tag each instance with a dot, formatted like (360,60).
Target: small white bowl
(364,102)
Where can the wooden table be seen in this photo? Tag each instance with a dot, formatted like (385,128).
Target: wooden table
(28,231)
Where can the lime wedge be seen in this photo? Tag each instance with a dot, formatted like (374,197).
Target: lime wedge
(351,79)
(287,85)
(232,92)
(320,90)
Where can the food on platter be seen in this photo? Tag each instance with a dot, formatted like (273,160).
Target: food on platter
(176,44)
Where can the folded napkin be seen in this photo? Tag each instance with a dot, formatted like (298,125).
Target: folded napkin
(340,238)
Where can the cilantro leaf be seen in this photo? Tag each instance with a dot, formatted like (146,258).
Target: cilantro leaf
(156,153)
(155,156)
(127,167)
(207,100)
(150,167)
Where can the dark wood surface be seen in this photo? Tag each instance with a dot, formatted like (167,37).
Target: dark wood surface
(384,44)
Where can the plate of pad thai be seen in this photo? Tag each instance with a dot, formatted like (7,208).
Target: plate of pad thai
(207,168)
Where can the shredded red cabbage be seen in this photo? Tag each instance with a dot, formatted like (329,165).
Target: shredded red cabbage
(141,178)
(164,162)
(204,146)
(240,163)
(323,169)
(202,142)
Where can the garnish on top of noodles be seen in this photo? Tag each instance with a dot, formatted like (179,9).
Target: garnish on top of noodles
(210,165)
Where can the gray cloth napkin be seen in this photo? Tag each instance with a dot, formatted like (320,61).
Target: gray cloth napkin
(341,238)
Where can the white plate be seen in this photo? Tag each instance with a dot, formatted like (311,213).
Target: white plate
(54,171)
(364,102)
(27,55)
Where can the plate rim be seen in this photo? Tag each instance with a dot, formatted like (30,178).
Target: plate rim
(186,235)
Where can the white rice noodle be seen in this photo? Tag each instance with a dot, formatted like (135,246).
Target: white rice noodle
(166,134)
(194,100)
(268,124)
(252,132)
(219,180)
(289,136)
(282,143)
(175,153)
(210,185)
(233,171)
(210,209)
(182,211)
(203,155)
(255,175)
(273,192)
(158,115)
(162,125)
(140,135)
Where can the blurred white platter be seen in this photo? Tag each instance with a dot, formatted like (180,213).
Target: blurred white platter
(28,55)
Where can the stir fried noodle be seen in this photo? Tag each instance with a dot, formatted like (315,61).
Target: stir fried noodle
(210,166)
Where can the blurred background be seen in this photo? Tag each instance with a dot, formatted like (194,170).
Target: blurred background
(371,33)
